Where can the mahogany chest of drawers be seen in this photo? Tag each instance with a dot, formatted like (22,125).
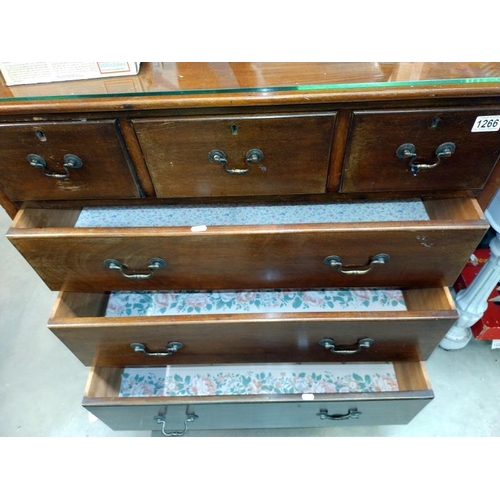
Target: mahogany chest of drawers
(251,259)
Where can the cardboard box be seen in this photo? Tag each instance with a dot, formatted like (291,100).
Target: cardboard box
(22,73)
(488,327)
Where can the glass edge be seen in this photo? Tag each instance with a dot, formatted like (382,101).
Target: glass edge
(285,88)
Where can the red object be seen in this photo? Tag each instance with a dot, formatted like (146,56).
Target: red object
(488,327)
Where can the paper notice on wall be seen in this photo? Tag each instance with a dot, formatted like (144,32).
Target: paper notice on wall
(22,73)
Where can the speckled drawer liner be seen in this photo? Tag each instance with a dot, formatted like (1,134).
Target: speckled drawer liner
(171,303)
(242,215)
(234,380)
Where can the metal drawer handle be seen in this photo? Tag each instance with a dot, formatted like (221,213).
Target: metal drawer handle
(154,264)
(162,419)
(253,156)
(336,261)
(70,161)
(409,150)
(352,414)
(172,347)
(329,344)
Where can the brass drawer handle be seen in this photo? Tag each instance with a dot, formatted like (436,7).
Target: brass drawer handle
(154,264)
(409,150)
(253,156)
(172,348)
(329,344)
(336,261)
(162,419)
(70,161)
(352,414)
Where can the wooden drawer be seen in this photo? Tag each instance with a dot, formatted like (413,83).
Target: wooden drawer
(372,165)
(104,172)
(252,326)
(305,407)
(422,253)
(295,154)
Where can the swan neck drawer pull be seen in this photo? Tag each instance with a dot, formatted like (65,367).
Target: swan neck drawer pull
(70,161)
(253,157)
(154,264)
(162,419)
(329,344)
(352,414)
(172,348)
(336,261)
(409,151)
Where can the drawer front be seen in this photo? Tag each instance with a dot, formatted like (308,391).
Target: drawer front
(419,256)
(373,165)
(256,411)
(80,323)
(83,160)
(226,416)
(292,154)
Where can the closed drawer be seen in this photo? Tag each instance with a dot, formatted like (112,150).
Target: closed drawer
(150,328)
(64,161)
(309,252)
(257,155)
(187,398)
(373,163)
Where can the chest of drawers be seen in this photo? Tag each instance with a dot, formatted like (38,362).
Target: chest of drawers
(251,259)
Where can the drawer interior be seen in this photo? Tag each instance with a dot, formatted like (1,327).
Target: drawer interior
(209,383)
(259,379)
(251,215)
(177,303)
(116,306)
(201,217)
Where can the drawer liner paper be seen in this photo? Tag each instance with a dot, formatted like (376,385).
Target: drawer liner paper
(243,215)
(252,301)
(257,379)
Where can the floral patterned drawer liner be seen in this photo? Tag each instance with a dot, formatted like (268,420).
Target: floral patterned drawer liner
(181,381)
(170,303)
(230,215)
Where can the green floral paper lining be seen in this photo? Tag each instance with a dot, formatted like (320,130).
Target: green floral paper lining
(253,301)
(226,380)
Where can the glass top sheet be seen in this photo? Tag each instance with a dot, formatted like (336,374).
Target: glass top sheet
(169,78)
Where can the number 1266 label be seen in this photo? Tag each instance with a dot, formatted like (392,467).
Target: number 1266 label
(486,124)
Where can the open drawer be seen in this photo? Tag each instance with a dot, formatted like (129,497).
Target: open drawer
(152,328)
(177,399)
(396,244)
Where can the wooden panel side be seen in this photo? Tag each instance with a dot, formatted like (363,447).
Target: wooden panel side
(429,299)
(411,376)
(79,305)
(45,218)
(454,209)
(103,382)
(8,205)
